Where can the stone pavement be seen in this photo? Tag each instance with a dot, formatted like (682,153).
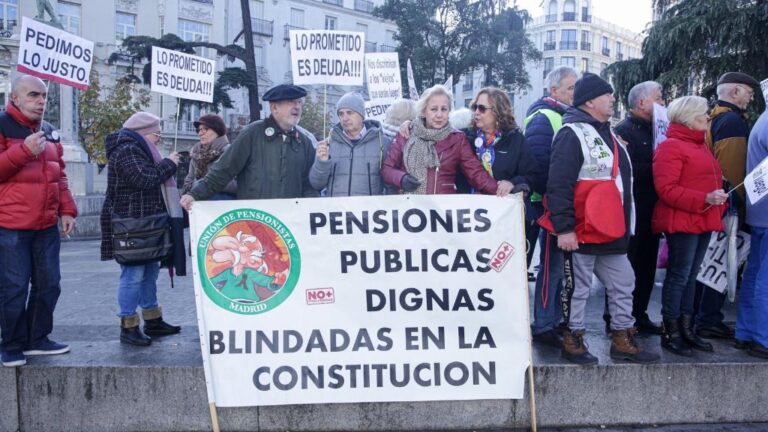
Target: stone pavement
(103,385)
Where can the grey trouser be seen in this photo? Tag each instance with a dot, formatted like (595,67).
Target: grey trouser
(615,272)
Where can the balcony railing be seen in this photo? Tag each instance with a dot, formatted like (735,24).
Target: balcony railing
(586,18)
(334,2)
(551,18)
(569,16)
(262,27)
(619,56)
(288,28)
(370,46)
(568,45)
(586,46)
(607,52)
(364,6)
(387,48)
(548,46)
(186,127)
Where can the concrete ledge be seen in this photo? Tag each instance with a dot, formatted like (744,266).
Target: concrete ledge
(9,405)
(162,388)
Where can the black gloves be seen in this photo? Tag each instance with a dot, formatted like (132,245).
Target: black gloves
(409,183)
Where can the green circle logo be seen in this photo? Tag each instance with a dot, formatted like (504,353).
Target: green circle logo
(249,261)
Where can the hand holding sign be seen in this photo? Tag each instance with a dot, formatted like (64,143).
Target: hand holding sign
(35,142)
(322,151)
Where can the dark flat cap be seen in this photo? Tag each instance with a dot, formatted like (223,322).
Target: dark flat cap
(284,92)
(737,78)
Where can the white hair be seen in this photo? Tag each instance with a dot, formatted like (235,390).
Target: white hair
(461,118)
(556,76)
(684,110)
(725,90)
(400,111)
(436,90)
(642,91)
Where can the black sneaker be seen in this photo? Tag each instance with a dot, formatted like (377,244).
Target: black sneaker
(757,350)
(645,325)
(719,331)
(742,345)
(549,338)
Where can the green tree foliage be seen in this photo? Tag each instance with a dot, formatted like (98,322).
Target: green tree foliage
(695,42)
(312,116)
(452,37)
(103,110)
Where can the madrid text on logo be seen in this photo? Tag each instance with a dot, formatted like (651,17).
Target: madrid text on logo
(249,261)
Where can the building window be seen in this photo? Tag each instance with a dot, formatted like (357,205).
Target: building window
(584,65)
(69,15)
(603,66)
(619,53)
(468,82)
(568,61)
(549,44)
(257,9)
(552,12)
(297,18)
(330,22)
(605,47)
(125,25)
(586,41)
(585,16)
(192,31)
(9,14)
(362,28)
(549,64)
(569,10)
(568,40)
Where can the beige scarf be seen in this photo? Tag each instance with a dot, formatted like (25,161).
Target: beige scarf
(420,154)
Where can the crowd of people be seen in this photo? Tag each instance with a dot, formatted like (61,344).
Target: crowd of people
(598,200)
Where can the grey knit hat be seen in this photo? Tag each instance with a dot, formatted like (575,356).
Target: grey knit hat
(352,101)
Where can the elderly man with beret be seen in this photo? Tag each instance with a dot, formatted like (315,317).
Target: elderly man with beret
(585,150)
(270,158)
(727,138)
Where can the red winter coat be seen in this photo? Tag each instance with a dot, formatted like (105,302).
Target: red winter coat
(34,190)
(684,172)
(454,153)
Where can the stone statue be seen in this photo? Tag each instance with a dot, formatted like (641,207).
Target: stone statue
(44,6)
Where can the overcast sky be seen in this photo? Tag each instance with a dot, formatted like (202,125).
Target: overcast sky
(631,14)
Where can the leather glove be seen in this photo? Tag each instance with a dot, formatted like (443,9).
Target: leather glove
(409,183)
(521,187)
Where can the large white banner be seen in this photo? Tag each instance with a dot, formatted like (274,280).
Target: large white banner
(53,54)
(327,57)
(383,73)
(331,300)
(182,75)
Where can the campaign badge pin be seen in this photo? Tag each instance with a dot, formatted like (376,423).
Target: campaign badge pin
(269,131)
(478,142)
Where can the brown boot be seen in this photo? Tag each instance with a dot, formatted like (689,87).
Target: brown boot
(575,350)
(624,347)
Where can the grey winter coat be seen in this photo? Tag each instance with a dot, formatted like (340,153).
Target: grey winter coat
(353,168)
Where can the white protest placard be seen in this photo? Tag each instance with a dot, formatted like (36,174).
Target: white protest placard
(53,54)
(383,73)
(182,75)
(401,298)
(756,182)
(412,92)
(764,88)
(376,110)
(714,268)
(660,124)
(327,57)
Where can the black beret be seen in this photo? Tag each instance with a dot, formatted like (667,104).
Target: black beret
(737,78)
(284,92)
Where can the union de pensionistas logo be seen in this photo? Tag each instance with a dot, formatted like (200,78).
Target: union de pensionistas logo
(249,261)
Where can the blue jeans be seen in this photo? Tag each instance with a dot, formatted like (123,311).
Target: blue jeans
(138,287)
(752,320)
(547,311)
(686,252)
(29,267)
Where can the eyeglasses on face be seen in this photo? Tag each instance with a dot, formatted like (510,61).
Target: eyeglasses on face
(479,107)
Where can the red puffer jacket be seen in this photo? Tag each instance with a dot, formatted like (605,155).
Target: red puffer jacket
(684,172)
(454,153)
(34,190)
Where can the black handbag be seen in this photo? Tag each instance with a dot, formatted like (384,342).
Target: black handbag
(141,240)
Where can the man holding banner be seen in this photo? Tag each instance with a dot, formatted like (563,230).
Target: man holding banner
(752,320)
(270,158)
(349,161)
(35,194)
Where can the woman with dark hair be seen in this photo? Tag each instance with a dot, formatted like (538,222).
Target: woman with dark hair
(213,141)
(501,147)
(427,162)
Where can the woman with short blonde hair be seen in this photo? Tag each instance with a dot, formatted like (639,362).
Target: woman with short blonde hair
(685,110)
